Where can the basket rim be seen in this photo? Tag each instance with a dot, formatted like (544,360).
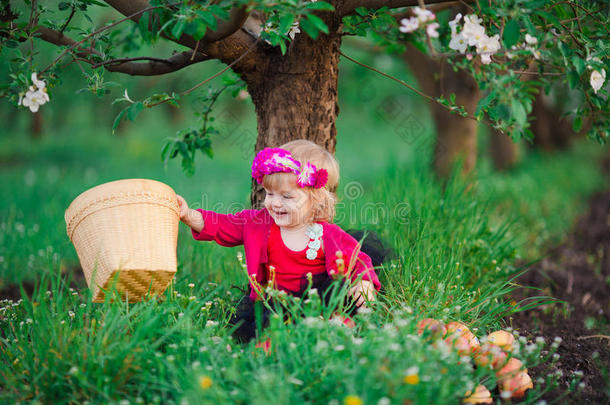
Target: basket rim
(86,200)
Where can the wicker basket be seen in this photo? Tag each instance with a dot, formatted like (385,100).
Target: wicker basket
(125,233)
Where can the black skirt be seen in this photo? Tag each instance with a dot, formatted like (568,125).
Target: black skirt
(252,317)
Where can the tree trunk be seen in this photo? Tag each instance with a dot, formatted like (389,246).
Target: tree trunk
(504,151)
(295,95)
(550,130)
(456,136)
(36,124)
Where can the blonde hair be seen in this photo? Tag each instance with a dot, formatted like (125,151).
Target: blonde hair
(323,199)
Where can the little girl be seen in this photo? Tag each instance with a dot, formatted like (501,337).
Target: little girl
(293,234)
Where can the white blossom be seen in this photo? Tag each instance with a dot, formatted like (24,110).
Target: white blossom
(597,79)
(473,31)
(294,29)
(487,47)
(34,98)
(530,40)
(458,43)
(453,24)
(431,30)
(409,24)
(423,15)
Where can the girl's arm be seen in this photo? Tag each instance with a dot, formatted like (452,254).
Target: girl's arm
(226,230)
(190,217)
(366,282)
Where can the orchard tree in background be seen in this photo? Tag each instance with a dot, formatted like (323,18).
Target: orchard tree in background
(286,54)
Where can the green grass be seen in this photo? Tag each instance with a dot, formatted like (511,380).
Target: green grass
(456,248)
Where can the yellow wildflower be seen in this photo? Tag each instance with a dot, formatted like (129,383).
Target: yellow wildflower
(352,400)
(205,382)
(412,376)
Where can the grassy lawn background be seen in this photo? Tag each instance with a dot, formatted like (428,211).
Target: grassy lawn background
(456,248)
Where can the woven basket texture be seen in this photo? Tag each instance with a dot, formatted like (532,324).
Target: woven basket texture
(125,233)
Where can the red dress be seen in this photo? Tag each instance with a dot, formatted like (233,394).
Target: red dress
(291,266)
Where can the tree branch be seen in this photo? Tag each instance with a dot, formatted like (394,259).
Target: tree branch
(227,43)
(346,7)
(128,66)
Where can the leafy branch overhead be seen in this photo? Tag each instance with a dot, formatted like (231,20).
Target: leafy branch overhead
(513,49)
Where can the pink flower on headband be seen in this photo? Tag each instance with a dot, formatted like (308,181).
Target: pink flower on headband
(278,160)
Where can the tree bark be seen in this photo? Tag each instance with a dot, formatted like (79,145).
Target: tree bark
(504,151)
(36,124)
(295,95)
(456,136)
(550,130)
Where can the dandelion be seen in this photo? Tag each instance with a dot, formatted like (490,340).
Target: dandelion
(411,376)
(205,382)
(191,285)
(352,400)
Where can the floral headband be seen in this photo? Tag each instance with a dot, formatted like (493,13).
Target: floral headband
(278,160)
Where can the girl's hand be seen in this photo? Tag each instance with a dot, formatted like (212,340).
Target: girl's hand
(363,292)
(189,216)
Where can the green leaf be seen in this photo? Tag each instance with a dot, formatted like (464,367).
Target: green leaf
(283,47)
(183,149)
(286,22)
(196,29)
(118,118)
(484,103)
(63,6)
(143,26)
(318,23)
(573,78)
(209,19)
(363,11)
(511,33)
(178,29)
(309,28)
(518,112)
(320,5)
(577,124)
(219,12)
(188,166)
(550,18)
(164,153)
(579,64)
(134,110)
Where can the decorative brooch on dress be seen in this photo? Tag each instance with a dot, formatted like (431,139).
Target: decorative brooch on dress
(278,160)
(314,232)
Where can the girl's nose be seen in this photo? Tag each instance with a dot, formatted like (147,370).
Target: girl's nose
(276,202)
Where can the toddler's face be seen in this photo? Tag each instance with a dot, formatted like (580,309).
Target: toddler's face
(289,206)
